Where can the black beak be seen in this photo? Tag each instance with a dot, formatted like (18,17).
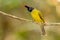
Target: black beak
(26,6)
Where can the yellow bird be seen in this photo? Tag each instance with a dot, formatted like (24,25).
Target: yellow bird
(37,16)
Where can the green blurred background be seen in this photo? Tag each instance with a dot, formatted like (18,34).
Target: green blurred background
(13,29)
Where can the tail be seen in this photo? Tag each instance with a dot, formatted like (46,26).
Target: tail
(43,30)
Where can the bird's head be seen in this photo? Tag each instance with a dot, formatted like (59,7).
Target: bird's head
(29,8)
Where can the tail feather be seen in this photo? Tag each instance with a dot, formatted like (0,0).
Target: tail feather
(43,31)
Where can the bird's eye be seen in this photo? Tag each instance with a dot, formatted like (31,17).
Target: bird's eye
(30,8)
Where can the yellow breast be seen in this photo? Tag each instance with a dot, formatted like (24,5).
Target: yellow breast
(35,15)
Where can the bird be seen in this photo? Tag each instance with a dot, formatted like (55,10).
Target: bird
(37,17)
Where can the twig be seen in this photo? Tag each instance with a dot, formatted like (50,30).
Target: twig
(23,19)
(15,17)
(52,24)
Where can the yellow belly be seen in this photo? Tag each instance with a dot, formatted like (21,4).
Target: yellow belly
(35,16)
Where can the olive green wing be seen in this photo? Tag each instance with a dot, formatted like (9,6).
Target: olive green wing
(40,15)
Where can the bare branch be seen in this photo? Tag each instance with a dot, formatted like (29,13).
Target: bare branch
(23,19)
(15,17)
(52,24)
